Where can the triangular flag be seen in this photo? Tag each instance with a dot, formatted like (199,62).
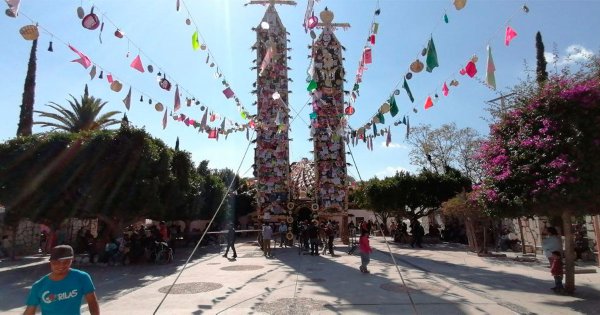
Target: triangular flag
(428,103)
(388,140)
(195,43)
(405,86)
(470,70)
(164,122)
(137,64)
(393,106)
(267,59)
(177,104)
(312,85)
(381,118)
(83,59)
(93,72)
(375,130)
(127,99)
(510,34)
(431,59)
(203,121)
(490,77)
(445,89)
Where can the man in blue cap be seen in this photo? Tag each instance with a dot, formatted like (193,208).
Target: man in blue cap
(61,291)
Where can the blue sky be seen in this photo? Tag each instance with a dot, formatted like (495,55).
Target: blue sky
(161,33)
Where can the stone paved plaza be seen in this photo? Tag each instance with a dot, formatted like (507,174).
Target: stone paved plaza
(439,279)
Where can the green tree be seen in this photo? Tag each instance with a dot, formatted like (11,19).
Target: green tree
(541,73)
(84,115)
(26,115)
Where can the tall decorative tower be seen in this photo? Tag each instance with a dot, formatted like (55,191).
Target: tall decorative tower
(271,155)
(327,128)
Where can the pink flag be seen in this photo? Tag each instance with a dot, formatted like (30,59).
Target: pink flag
(212,134)
(228,93)
(137,64)
(83,59)
(266,60)
(109,78)
(164,122)
(428,103)
(445,89)
(177,105)
(372,39)
(470,69)
(367,57)
(510,34)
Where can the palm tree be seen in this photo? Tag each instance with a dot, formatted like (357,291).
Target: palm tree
(26,115)
(83,116)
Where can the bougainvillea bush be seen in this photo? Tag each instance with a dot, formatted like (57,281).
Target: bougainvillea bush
(545,154)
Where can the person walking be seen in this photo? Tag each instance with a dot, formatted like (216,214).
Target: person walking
(283,229)
(267,235)
(231,241)
(365,251)
(61,291)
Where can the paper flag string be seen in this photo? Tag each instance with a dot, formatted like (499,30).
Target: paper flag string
(137,64)
(177,104)
(203,121)
(510,34)
(393,106)
(109,78)
(164,121)
(83,59)
(372,39)
(445,89)
(93,72)
(127,99)
(431,59)
(228,92)
(405,86)
(367,57)
(195,43)
(470,69)
(490,77)
(428,103)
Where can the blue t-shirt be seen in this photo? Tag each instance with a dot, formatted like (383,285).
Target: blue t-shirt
(61,297)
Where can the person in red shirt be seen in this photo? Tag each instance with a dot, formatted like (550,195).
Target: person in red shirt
(556,268)
(365,251)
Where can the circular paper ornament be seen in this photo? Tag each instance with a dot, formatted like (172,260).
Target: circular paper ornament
(290,205)
(164,84)
(29,32)
(312,22)
(408,76)
(150,68)
(397,92)
(91,21)
(202,108)
(203,46)
(416,66)
(80,12)
(326,16)
(385,108)
(315,206)
(276,95)
(375,120)
(159,107)
(289,235)
(118,33)
(349,110)
(313,35)
(10,13)
(116,86)
(188,21)
(264,25)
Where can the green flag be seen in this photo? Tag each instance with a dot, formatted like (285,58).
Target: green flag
(195,43)
(393,106)
(375,130)
(311,86)
(432,60)
(313,115)
(381,118)
(405,86)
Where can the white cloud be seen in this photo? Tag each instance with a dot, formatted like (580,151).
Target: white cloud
(390,171)
(573,53)
(394,145)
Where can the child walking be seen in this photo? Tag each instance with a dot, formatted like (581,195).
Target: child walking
(365,251)
(556,268)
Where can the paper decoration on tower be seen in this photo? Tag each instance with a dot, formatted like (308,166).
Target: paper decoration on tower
(177,104)
(127,99)
(445,89)
(431,59)
(83,59)
(13,7)
(490,77)
(510,34)
(137,64)
(407,88)
(459,4)
(195,42)
(164,120)
(428,103)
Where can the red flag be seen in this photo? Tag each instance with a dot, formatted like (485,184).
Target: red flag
(372,39)
(228,93)
(367,56)
(510,34)
(109,78)
(212,134)
(137,64)
(428,103)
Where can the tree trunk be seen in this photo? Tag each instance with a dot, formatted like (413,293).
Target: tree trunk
(597,233)
(26,115)
(569,252)
(344,233)
(485,225)
(523,250)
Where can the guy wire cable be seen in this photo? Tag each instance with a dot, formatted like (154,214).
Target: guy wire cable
(412,302)
(206,229)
